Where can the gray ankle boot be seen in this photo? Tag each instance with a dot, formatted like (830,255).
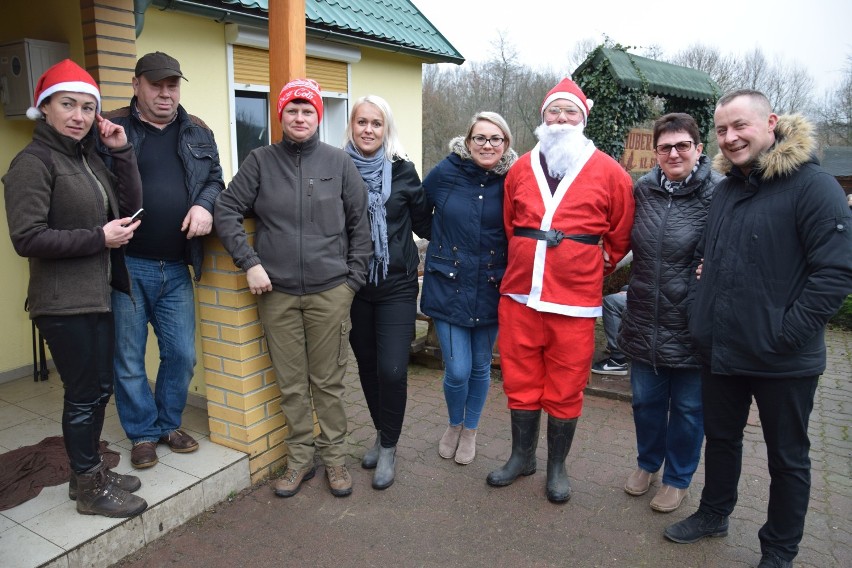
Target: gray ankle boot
(385,468)
(372,456)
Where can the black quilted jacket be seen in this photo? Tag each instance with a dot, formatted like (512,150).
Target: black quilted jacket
(665,232)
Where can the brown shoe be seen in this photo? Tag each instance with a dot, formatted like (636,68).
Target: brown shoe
(144,454)
(289,484)
(339,480)
(668,498)
(96,495)
(180,442)
(129,483)
(639,482)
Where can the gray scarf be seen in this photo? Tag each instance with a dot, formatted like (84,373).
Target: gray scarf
(376,172)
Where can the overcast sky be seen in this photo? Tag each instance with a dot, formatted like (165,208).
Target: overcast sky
(816,34)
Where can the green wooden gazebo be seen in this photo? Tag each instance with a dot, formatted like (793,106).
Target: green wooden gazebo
(618,82)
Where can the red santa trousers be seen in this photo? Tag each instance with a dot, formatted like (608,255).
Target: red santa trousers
(545,358)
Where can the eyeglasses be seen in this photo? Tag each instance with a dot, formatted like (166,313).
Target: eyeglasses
(495,141)
(681,147)
(555,111)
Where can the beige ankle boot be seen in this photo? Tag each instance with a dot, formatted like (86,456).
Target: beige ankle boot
(466,450)
(449,442)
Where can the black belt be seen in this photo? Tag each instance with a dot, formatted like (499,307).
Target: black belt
(555,236)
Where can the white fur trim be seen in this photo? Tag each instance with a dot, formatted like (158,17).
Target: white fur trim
(569,97)
(33,113)
(73,87)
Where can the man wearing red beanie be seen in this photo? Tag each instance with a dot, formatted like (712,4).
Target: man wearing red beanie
(568,211)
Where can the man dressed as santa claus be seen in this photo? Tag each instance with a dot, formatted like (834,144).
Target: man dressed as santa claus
(568,211)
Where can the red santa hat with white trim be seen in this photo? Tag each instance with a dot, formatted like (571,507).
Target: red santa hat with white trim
(568,90)
(64,76)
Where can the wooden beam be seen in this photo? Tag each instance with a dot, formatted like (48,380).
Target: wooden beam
(287,37)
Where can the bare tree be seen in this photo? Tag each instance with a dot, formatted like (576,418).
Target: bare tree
(834,112)
(581,50)
(788,87)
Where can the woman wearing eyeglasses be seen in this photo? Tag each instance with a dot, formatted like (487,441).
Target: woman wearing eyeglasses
(671,208)
(465,263)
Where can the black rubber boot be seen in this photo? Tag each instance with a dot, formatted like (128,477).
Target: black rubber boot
(560,434)
(525,425)
(97,495)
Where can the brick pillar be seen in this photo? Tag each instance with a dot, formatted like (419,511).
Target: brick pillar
(242,394)
(109,46)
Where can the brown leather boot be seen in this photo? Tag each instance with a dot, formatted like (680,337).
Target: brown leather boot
(129,483)
(97,495)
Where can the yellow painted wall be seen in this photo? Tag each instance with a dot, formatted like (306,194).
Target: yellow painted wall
(396,79)
(25,20)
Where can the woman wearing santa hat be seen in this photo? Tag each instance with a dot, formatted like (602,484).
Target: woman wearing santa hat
(70,216)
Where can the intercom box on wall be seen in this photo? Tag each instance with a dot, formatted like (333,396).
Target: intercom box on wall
(22,62)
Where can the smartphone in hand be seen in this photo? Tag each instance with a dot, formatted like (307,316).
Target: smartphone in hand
(138,215)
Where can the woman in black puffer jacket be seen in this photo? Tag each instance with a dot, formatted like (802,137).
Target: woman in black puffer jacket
(671,208)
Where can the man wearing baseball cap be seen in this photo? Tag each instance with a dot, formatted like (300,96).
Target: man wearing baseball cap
(181,177)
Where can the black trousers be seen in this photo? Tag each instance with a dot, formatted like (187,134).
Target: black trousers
(82,348)
(382,330)
(785,406)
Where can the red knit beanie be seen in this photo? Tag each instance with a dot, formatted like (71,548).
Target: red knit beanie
(568,90)
(306,90)
(64,76)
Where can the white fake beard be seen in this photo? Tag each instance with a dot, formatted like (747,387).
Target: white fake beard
(562,146)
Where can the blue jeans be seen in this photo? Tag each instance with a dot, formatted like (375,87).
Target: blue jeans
(467,355)
(163,297)
(668,415)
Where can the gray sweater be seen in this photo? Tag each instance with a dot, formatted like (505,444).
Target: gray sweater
(310,206)
(56,215)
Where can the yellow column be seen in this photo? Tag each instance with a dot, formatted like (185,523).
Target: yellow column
(109,44)
(242,394)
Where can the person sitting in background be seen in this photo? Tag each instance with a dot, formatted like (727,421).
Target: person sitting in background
(613,308)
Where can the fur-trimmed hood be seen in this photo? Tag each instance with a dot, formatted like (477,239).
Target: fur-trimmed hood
(458,147)
(794,146)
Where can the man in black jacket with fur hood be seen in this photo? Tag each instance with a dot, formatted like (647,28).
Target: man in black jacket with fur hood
(777,264)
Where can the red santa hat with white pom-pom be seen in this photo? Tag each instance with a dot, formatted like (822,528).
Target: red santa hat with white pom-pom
(570,91)
(64,76)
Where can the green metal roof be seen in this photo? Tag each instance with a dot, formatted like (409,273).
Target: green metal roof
(664,79)
(395,25)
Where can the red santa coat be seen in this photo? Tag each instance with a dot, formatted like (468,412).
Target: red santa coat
(596,198)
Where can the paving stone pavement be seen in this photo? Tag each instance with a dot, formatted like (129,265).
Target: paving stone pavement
(439,513)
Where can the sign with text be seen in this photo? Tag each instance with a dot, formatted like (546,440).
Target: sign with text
(639,150)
